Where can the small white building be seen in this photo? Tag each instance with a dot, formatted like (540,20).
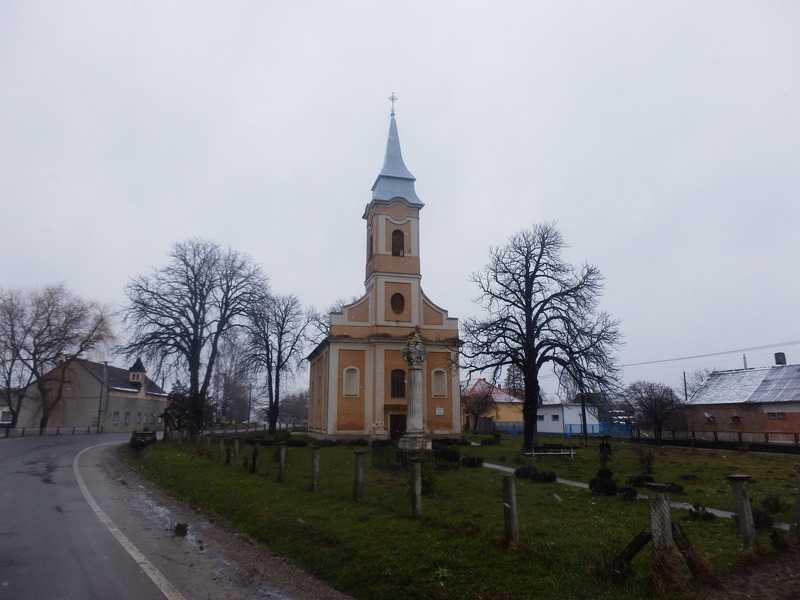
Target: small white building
(564,420)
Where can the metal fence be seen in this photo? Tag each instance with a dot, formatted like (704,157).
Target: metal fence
(729,439)
(439,457)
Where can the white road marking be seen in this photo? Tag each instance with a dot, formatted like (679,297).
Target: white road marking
(149,568)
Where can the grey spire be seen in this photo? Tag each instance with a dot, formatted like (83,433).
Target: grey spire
(395,180)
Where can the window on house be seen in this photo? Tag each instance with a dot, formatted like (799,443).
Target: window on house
(136,376)
(398,384)
(772,416)
(439,383)
(127,418)
(139,418)
(711,419)
(398,243)
(540,417)
(115,418)
(736,420)
(351,383)
(781,416)
(5,416)
(555,417)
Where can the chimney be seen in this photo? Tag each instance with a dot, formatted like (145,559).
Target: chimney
(780,359)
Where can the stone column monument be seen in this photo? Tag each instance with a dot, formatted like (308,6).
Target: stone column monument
(414,354)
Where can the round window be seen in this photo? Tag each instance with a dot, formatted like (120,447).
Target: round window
(398,303)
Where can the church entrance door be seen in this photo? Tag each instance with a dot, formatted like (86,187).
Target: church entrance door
(397,426)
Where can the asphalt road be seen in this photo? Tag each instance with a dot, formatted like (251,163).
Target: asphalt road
(72,527)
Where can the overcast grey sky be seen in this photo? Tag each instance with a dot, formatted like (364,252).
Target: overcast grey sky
(661,136)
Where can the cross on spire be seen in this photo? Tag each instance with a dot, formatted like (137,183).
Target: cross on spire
(393,98)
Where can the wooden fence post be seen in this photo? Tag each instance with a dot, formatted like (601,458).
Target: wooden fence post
(743,512)
(358,483)
(510,511)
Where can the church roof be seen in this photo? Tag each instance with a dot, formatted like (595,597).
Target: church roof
(395,180)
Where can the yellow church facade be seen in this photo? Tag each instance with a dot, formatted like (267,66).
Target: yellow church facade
(357,386)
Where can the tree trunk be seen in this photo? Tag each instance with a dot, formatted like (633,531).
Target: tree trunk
(530,411)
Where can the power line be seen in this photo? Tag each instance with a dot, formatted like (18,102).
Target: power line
(653,362)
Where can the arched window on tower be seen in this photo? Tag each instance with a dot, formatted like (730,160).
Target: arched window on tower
(398,243)
(398,383)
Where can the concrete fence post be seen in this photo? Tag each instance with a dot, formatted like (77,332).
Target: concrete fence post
(222,447)
(416,488)
(282,461)
(660,521)
(510,511)
(236,450)
(358,483)
(314,468)
(743,511)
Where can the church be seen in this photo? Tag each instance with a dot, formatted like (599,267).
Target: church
(358,376)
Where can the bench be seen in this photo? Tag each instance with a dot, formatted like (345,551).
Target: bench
(552,450)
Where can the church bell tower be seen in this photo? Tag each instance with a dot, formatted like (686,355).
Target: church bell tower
(357,386)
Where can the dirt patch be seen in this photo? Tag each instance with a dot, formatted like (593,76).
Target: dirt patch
(774,578)
(250,570)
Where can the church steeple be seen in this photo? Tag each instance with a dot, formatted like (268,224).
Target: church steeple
(395,180)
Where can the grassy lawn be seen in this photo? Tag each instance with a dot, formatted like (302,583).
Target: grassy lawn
(374,550)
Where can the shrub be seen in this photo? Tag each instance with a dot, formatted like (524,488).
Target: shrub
(773,504)
(640,480)
(490,441)
(524,472)
(472,461)
(603,486)
(605,473)
(297,443)
(543,476)
(627,493)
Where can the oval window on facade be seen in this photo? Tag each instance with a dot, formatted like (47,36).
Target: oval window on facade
(398,303)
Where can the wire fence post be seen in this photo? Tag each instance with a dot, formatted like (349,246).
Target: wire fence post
(282,461)
(795,526)
(314,468)
(660,521)
(743,512)
(358,483)
(416,487)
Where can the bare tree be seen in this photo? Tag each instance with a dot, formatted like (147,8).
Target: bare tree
(41,334)
(695,379)
(177,315)
(276,330)
(294,407)
(478,402)
(654,403)
(233,380)
(542,313)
